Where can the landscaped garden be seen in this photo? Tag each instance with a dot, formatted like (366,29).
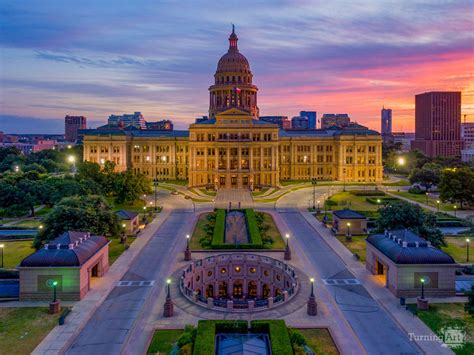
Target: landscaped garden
(15,251)
(209,232)
(429,200)
(456,247)
(357,246)
(201,340)
(116,248)
(22,329)
(452,315)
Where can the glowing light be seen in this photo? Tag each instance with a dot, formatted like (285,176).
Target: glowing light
(311,279)
(71,158)
(401,161)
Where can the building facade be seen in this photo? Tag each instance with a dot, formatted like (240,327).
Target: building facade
(282,121)
(233,148)
(467,134)
(386,123)
(135,119)
(438,124)
(163,125)
(329,120)
(299,122)
(311,115)
(72,124)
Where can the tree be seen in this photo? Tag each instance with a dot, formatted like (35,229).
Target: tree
(79,213)
(129,186)
(427,176)
(404,215)
(457,186)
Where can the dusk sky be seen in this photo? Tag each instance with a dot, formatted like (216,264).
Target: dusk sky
(95,58)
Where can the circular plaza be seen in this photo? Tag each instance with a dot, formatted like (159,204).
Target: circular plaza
(239,282)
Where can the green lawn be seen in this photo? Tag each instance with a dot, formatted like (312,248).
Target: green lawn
(357,246)
(28,223)
(135,207)
(457,248)
(22,329)
(43,211)
(163,341)
(198,232)
(422,199)
(448,314)
(208,192)
(348,200)
(273,232)
(15,251)
(116,249)
(401,182)
(319,340)
(293,182)
(261,192)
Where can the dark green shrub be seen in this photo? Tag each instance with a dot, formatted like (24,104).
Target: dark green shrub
(416,190)
(279,336)
(297,338)
(367,193)
(254,233)
(219,228)
(206,332)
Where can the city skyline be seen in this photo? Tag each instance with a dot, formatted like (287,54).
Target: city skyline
(56,61)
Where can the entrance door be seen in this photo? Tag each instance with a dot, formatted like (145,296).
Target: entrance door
(233,181)
(245,180)
(238,289)
(95,271)
(379,268)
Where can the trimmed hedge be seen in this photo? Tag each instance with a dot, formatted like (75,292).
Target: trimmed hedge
(218,238)
(205,343)
(219,229)
(367,193)
(279,336)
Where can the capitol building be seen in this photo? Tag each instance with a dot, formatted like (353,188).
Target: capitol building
(233,148)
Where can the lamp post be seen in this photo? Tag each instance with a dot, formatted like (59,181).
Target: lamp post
(312,306)
(155,185)
(168,308)
(467,250)
(55,305)
(313,182)
(455,209)
(344,186)
(427,197)
(422,302)
(318,206)
(401,161)
(378,203)
(17,168)
(72,160)
(437,204)
(2,246)
(187,252)
(287,248)
(348,235)
(123,239)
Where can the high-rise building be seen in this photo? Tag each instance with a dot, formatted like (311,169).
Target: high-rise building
(386,123)
(467,134)
(438,123)
(299,122)
(72,124)
(163,125)
(281,121)
(404,138)
(311,115)
(340,120)
(134,119)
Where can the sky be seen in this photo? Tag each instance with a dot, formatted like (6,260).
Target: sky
(102,57)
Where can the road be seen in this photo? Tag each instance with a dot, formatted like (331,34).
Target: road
(107,330)
(376,330)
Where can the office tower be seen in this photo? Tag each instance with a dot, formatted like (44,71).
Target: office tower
(386,123)
(282,121)
(329,120)
(134,119)
(72,124)
(311,115)
(299,122)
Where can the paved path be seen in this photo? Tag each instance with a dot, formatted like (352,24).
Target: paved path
(224,196)
(359,308)
(107,331)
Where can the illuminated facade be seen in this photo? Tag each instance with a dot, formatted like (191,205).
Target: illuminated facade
(233,148)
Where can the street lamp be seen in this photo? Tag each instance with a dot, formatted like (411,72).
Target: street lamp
(401,161)
(437,203)
(55,284)
(187,252)
(348,235)
(378,202)
(312,286)
(17,168)
(144,212)
(422,280)
(168,308)
(455,209)
(312,306)
(467,250)
(344,186)
(287,248)
(313,182)
(40,227)
(155,184)
(72,160)
(1,248)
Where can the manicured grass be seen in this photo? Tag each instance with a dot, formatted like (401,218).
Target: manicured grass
(348,200)
(357,246)
(163,341)
(448,314)
(43,211)
(208,192)
(319,340)
(278,332)
(28,223)
(272,231)
(22,329)
(135,207)
(401,182)
(15,251)
(457,248)
(198,232)
(116,249)
(431,201)
(293,182)
(261,192)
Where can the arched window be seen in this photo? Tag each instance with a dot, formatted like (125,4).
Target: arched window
(238,289)
(223,289)
(265,291)
(252,289)
(210,291)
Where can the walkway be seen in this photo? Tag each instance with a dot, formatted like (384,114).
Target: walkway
(234,196)
(235,228)
(108,329)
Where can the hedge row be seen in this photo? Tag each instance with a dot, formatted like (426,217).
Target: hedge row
(279,336)
(367,193)
(219,229)
(205,343)
(254,233)
(383,200)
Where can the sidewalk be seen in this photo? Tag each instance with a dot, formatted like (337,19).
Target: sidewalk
(405,320)
(62,336)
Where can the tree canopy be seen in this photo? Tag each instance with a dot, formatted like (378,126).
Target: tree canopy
(457,186)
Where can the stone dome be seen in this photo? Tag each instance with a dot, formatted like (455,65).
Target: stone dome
(233,61)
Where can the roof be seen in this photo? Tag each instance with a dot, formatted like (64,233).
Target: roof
(69,249)
(348,214)
(126,215)
(405,247)
(134,132)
